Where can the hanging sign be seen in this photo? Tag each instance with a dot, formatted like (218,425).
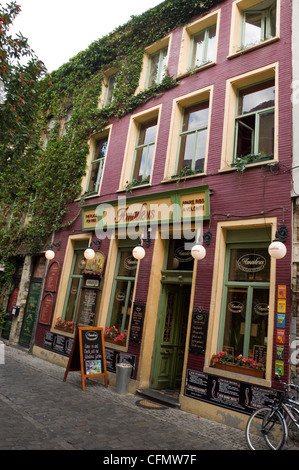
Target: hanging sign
(88,355)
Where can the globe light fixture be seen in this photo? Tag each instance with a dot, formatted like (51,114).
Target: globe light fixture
(49,254)
(198,252)
(277,249)
(138,252)
(89,253)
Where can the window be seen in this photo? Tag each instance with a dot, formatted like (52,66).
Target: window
(199,43)
(75,282)
(110,89)
(259,23)
(157,67)
(144,151)
(122,291)
(97,164)
(203,47)
(193,138)
(254,23)
(245,311)
(254,125)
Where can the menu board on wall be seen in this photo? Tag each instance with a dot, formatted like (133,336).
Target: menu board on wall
(137,322)
(46,309)
(88,354)
(88,306)
(227,393)
(198,334)
(52,277)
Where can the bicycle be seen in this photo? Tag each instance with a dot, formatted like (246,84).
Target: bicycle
(270,426)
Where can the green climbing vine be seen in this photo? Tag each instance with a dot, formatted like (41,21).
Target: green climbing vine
(39,181)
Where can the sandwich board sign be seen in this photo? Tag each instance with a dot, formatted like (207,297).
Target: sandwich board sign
(88,355)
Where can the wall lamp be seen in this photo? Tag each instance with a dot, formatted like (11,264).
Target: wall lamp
(89,253)
(198,251)
(139,252)
(50,253)
(277,248)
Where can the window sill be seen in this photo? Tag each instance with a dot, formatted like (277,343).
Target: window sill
(250,165)
(182,178)
(253,48)
(133,188)
(195,70)
(238,377)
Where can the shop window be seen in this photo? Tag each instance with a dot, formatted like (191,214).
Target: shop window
(75,282)
(203,47)
(258,23)
(193,138)
(157,67)
(122,291)
(254,125)
(97,165)
(245,302)
(144,151)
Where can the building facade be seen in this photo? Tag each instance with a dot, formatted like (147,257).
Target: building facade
(204,163)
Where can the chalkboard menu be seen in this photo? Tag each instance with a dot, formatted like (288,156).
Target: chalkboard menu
(58,343)
(88,354)
(137,322)
(232,394)
(88,306)
(198,334)
(114,357)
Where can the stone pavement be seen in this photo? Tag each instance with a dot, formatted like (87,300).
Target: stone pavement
(38,411)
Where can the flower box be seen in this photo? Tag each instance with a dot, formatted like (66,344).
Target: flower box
(111,340)
(235,368)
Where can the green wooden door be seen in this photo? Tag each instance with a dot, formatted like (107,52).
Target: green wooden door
(30,313)
(171,337)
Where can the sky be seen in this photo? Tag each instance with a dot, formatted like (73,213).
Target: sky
(58,29)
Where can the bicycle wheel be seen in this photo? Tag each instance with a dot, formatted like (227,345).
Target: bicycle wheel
(266,429)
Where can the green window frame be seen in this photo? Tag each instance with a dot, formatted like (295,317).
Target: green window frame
(75,282)
(120,306)
(203,47)
(255,122)
(244,318)
(144,151)
(258,25)
(97,165)
(193,138)
(156,67)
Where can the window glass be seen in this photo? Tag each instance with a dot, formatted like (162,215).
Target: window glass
(157,66)
(97,165)
(249,265)
(259,24)
(74,286)
(203,49)
(144,151)
(110,90)
(255,121)
(179,255)
(122,292)
(193,137)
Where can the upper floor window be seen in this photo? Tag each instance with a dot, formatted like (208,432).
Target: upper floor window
(97,164)
(259,23)
(193,138)
(157,67)
(110,90)
(199,43)
(203,47)
(144,151)
(254,22)
(254,125)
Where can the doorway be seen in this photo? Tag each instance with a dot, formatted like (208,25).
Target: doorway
(171,337)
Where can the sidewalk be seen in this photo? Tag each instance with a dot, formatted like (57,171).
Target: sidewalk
(40,411)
